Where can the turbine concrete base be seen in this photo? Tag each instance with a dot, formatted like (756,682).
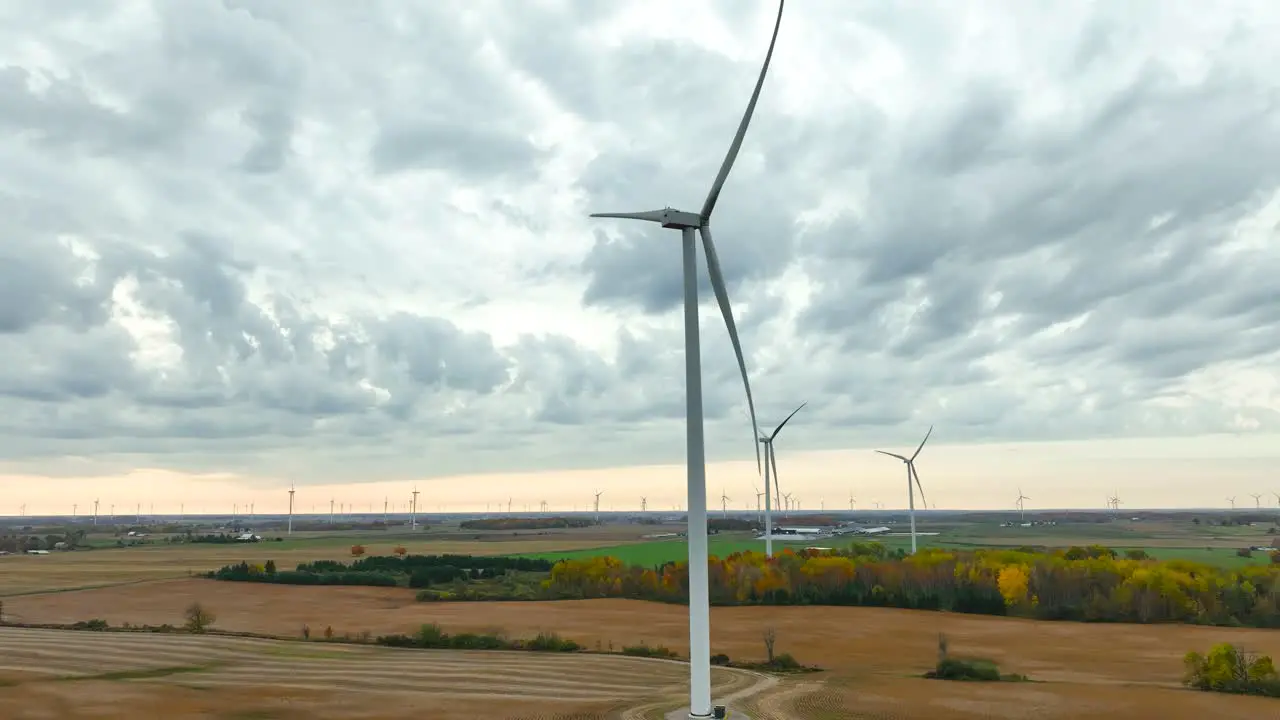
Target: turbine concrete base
(683,714)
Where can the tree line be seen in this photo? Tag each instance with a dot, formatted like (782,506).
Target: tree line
(526,523)
(1080,583)
(415,571)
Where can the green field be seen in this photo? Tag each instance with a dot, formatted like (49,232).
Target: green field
(661,551)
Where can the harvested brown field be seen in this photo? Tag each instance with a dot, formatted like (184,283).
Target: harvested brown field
(65,674)
(21,574)
(873,656)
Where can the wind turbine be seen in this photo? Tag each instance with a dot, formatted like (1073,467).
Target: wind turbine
(689,224)
(724,504)
(74,508)
(597,505)
(330,511)
(1257,501)
(771,464)
(95,512)
(644,504)
(911,472)
(851,501)
(1018,504)
(413,510)
(759,512)
(1277,498)
(291,488)
(1232,500)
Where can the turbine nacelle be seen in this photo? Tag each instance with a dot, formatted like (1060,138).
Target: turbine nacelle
(666,217)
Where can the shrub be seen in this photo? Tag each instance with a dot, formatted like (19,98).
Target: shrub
(551,642)
(94,624)
(957,669)
(644,650)
(1244,552)
(1136,555)
(357,550)
(719,659)
(1230,670)
(400,551)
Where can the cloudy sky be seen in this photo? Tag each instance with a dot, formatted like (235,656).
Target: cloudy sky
(245,243)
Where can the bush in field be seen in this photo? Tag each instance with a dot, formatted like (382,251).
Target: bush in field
(966,669)
(1228,669)
(400,551)
(357,550)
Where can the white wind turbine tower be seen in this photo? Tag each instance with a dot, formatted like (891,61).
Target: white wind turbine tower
(851,501)
(692,224)
(759,512)
(911,473)
(1018,504)
(644,504)
(290,530)
(1257,500)
(95,512)
(597,505)
(1277,498)
(1232,500)
(724,503)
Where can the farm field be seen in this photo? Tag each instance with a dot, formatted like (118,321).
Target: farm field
(872,656)
(65,674)
(21,574)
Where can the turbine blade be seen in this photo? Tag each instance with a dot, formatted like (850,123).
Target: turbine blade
(922,442)
(920,487)
(722,297)
(893,455)
(773,463)
(784,422)
(650,215)
(736,145)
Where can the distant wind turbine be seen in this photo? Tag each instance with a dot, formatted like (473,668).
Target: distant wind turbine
(597,505)
(1232,500)
(771,465)
(95,512)
(1257,501)
(290,530)
(74,508)
(851,501)
(1277,498)
(413,509)
(644,504)
(911,473)
(724,504)
(1018,504)
(689,225)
